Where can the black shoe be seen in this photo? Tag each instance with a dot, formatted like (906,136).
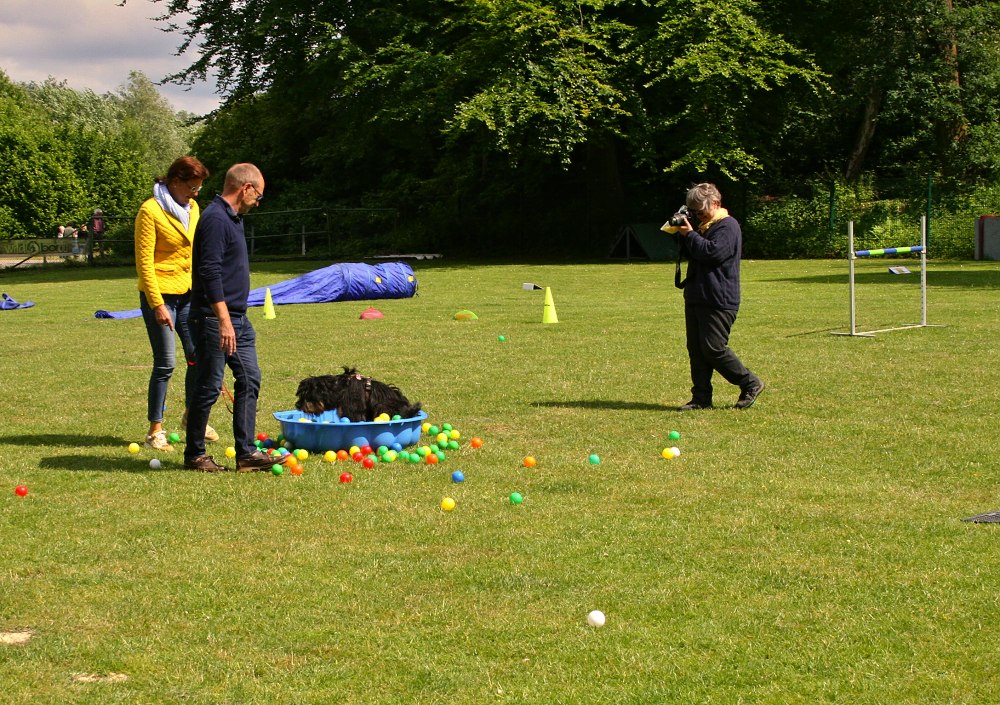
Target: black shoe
(695,406)
(749,395)
(259,460)
(204,463)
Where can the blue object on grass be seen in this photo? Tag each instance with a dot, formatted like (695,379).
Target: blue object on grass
(349,281)
(323,434)
(7,303)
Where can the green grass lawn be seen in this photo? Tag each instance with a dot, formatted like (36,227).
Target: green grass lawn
(807,550)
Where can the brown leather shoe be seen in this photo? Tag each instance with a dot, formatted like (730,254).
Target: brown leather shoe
(203,463)
(260,461)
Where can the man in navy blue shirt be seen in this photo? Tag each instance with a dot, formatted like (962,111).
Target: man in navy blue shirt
(222,332)
(712,299)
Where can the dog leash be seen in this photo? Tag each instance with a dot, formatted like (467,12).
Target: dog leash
(224,392)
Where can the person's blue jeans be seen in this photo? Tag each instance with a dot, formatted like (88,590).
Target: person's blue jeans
(209,374)
(164,345)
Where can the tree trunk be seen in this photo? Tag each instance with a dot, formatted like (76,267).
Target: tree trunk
(873,102)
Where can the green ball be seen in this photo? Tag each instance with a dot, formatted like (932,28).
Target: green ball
(440,455)
(446,427)
(594,459)
(516,498)
(382,450)
(174,437)
(452,445)
(502,338)
(434,430)
(396,417)
(674,435)
(404,455)
(277,469)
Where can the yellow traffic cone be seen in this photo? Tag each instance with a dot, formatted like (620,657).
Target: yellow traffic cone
(268,304)
(549,312)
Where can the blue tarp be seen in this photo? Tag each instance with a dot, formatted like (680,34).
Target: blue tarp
(7,303)
(351,281)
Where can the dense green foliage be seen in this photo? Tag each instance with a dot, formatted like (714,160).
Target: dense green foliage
(521,124)
(65,152)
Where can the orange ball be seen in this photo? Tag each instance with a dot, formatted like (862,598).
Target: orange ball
(342,455)
(431,459)
(295,469)
(529,461)
(476,442)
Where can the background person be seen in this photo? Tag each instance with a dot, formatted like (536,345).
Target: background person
(164,234)
(222,332)
(712,298)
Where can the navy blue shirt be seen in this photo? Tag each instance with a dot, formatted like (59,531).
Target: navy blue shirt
(221,266)
(713,275)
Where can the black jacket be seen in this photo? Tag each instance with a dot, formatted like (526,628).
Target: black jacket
(713,275)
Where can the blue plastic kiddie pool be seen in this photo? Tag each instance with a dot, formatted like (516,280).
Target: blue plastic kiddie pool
(327,431)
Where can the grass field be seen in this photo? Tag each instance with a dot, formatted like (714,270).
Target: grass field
(807,550)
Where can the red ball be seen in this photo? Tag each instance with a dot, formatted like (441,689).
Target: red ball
(358,457)
(345,477)
(366,450)
(261,436)
(342,455)
(21,491)
(368,463)
(432,459)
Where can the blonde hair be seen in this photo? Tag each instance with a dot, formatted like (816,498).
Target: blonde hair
(701,197)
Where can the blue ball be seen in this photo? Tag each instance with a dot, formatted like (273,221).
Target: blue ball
(458,476)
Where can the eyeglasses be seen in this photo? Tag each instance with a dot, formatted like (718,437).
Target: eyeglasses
(260,196)
(193,189)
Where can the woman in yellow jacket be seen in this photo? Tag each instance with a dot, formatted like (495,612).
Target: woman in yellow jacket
(164,233)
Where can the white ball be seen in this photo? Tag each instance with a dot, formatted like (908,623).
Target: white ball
(154,463)
(676,451)
(596,618)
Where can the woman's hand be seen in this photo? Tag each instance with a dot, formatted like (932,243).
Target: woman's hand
(163,316)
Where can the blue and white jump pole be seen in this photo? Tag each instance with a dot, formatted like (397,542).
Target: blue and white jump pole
(853,255)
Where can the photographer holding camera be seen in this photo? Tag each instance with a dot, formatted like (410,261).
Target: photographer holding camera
(711,295)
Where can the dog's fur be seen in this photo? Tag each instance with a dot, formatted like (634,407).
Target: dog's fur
(354,396)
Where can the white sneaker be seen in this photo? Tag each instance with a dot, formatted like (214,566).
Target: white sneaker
(211,435)
(158,441)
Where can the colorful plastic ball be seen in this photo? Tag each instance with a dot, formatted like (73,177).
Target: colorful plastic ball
(261,437)
(368,462)
(476,442)
(174,437)
(453,445)
(295,469)
(397,447)
(425,426)
(596,618)
(433,430)
(432,459)
(529,461)
(342,455)
(594,459)
(440,455)
(454,434)
(502,338)
(281,438)
(358,456)
(353,450)
(230,452)
(516,498)
(675,451)
(133,448)
(458,476)
(441,438)
(423,450)
(447,504)
(154,464)
(382,450)
(277,469)
(343,419)
(397,417)
(404,455)
(674,435)
(390,456)
(346,477)
(446,427)
(21,491)
(367,450)
(302,454)
(329,457)
(665,453)
(415,458)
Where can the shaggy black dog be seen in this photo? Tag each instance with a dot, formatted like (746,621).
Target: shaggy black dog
(354,396)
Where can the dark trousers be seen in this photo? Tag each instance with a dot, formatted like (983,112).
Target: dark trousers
(211,370)
(161,339)
(708,349)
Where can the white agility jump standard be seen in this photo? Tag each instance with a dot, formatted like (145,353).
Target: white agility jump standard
(853,255)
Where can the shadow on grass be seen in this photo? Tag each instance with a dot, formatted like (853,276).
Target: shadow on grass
(71,440)
(89,463)
(607,404)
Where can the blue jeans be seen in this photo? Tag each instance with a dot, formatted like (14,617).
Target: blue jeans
(209,375)
(162,340)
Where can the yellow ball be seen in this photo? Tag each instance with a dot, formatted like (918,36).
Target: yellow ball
(133,448)
(330,457)
(666,453)
(442,438)
(425,426)
(455,435)
(447,504)
(230,452)
(302,454)
(353,450)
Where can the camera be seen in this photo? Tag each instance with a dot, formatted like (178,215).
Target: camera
(682,213)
